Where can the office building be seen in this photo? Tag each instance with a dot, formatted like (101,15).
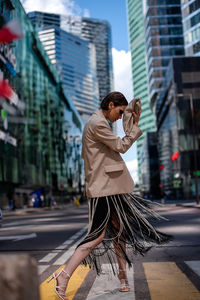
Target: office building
(40,130)
(75,61)
(95,32)
(164,39)
(191,26)
(178,126)
(139,70)
(150,167)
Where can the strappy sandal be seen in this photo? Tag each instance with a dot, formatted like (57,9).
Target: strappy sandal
(59,290)
(124,285)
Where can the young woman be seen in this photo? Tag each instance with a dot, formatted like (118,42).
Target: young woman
(116,216)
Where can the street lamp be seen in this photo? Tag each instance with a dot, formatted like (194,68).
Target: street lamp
(193,137)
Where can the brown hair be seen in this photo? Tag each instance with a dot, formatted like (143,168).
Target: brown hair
(117,98)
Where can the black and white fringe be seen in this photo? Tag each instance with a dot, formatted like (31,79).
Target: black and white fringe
(125,218)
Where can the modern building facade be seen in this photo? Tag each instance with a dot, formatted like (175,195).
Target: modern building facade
(97,32)
(40,131)
(139,69)
(150,167)
(98,35)
(164,39)
(178,123)
(191,26)
(75,61)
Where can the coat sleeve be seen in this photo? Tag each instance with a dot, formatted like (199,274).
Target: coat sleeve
(104,134)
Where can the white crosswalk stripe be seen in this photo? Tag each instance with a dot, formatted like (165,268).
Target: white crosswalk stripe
(106,286)
(194,265)
(63,258)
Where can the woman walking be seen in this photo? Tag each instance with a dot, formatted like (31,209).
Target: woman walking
(117,217)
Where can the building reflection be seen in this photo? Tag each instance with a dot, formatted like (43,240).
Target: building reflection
(178,131)
(40,129)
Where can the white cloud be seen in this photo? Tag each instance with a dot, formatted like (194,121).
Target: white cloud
(64,7)
(133,168)
(122,78)
(86,13)
(122,72)
(123,83)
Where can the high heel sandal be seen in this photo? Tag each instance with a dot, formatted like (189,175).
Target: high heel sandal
(59,290)
(124,285)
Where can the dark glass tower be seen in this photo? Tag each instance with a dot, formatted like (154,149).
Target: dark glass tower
(164,39)
(191,26)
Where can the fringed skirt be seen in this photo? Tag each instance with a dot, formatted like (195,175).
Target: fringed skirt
(125,220)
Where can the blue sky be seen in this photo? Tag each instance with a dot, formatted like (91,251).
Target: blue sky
(114,11)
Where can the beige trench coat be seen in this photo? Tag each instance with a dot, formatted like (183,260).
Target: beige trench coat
(105,171)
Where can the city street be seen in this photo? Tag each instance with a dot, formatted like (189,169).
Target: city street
(171,271)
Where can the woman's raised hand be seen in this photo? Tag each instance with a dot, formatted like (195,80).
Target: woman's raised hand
(136,118)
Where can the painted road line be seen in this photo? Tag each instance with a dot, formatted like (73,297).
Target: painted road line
(194,265)
(106,286)
(47,289)
(41,269)
(66,255)
(167,282)
(17,238)
(48,257)
(54,253)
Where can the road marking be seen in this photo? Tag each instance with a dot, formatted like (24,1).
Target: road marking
(66,255)
(194,265)
(106,286)
(167,282)
(54,253)
(47,289)
(17,238)
(48,257)
(41,269)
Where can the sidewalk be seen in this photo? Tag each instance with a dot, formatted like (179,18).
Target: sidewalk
(189,205)
(26,210)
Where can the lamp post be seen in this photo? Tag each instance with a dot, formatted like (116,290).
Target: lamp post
(193,138)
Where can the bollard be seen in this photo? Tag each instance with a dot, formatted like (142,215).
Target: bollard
(18,278)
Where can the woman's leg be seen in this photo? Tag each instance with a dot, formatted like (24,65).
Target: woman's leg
(120,250)
(79,255)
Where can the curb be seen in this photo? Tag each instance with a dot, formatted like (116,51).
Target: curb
(188,205)
(23,211)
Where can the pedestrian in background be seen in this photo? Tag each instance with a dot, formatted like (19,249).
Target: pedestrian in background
(116,216)
(11,200)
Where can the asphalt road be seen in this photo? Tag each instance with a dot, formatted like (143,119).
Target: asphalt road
(168,272)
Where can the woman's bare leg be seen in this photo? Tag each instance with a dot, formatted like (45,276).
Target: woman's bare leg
(122,275)
(119,254)
(79,255)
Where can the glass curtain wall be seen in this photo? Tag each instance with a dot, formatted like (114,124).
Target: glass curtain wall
(139,69)
(191,26)
(43,126)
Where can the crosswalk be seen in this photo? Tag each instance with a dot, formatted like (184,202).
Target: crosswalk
(165,282)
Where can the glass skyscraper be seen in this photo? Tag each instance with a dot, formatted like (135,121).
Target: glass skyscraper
(191,26)
(164,39)
(98,32)
(75,60)
(139,70)
(40,131)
